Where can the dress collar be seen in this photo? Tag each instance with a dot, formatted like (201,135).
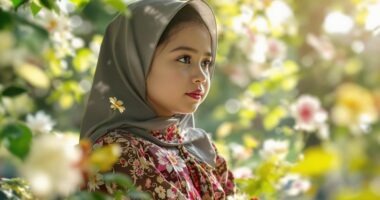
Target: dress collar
(169,134)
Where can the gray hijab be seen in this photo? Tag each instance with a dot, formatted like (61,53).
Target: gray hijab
(125,57)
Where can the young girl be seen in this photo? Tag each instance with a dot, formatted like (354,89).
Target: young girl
(153,72)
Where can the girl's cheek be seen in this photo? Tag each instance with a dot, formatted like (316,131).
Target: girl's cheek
(185,71)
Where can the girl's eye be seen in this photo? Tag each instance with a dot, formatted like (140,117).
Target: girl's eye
(206,64)
(185,59)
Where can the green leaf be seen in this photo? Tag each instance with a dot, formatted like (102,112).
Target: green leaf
(118,178)
(13,91)
(119,5)
(17,138)
(35,8)
(49,4)
(138,195)
(18,3)
(80,3)
(89,195)
(127,185)
(5,19)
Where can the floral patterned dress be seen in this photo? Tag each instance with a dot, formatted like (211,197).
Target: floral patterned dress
(165,173)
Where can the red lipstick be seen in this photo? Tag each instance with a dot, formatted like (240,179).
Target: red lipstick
(196,94)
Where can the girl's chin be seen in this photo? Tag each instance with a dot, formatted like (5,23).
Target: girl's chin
(190,111)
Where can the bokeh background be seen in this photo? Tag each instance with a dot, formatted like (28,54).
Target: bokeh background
(294,104)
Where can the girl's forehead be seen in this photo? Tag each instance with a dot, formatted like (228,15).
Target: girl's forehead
(192,35)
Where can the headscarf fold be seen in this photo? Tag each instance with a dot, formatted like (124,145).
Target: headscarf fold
(123,65)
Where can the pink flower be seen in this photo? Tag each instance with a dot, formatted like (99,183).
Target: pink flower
(308,113)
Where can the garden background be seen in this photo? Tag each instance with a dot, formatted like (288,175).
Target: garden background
(294,104)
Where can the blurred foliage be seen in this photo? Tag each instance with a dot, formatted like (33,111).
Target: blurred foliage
(294,105)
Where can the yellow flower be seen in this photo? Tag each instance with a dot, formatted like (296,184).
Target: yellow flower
(355,106)
(117,104)
(105,157)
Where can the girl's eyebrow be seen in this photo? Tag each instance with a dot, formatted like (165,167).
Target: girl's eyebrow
(186,48)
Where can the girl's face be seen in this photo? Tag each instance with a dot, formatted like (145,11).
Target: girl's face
(179,77)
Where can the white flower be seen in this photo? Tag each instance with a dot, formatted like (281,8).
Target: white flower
(241,22)
(308,113)
(259,49)
(66,6)
(338,23)
(293,184)
(239,151)
(242,172)
(51,166)
(278,13)
(276,149)
(238,197)
(52,21)
(40,123)
(371,21)
(60,30)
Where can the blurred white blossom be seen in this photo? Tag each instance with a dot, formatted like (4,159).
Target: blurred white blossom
(259,49)
(293,184)
(238,197)
(239,151)
(40,122)
(275,149)
(242,172)
(338,23)
(66,6)
(278,13)
(241,22)
(51,166)
(308,113)
(261,24)
(372,21)
(60,28)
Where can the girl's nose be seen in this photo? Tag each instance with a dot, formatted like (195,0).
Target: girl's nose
(200,75)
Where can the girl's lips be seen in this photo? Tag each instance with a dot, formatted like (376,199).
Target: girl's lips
(196,96)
